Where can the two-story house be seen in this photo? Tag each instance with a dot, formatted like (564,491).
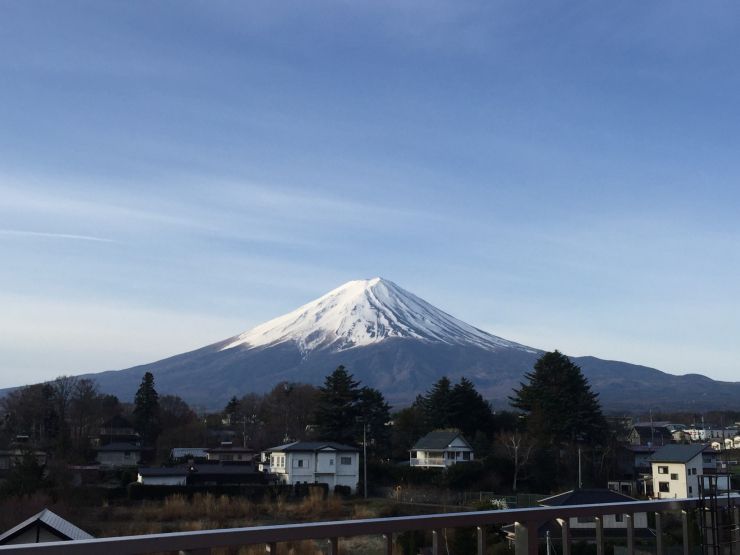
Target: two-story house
(441,448)
(315,462)
(676,470)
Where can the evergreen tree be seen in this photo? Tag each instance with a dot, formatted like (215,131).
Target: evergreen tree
(437,404)
(468,411)
(146,410)
(558,403)
(336,413)
(374,412)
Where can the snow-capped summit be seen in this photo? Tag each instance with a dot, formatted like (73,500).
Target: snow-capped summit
(363,312)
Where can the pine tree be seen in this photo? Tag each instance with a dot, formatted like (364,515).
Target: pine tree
(558,403)
(336,413)
(146,410)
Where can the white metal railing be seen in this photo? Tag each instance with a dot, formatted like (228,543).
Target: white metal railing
(527,523)
(428,461)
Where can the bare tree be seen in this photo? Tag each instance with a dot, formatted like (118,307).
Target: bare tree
(518,447)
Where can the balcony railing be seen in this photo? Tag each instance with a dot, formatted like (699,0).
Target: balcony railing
(527,522)
(428,461)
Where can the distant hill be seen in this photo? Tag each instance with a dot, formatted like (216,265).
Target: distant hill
(393,340)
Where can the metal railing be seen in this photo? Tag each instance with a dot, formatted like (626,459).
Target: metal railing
(429,461)
(526,521)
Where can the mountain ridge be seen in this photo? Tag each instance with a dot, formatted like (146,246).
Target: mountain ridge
(394,341)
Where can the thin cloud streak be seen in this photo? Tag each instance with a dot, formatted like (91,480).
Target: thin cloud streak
(44,234)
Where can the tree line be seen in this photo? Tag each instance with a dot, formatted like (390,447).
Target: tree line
(554,415)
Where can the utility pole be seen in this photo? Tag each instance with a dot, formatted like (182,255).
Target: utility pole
(364,456)
(580,478)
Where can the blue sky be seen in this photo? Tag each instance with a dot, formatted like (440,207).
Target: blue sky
(562,174)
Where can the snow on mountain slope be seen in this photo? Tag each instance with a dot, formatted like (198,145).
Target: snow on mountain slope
(364,312)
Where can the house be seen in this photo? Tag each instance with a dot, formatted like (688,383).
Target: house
(184,454)
(117,430)
(440,449)
(584,528)
(163,476)
(316,462)
(676,470)
(651,434)
(205,474)
(228,452)
(119,454)
(15,455)
(45,526)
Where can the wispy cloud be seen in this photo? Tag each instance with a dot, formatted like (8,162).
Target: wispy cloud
(44,234)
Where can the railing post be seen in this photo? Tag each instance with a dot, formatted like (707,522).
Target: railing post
(388,543)
(481,540)
(598,521)
(271,548)
(630,534)
(436,547)
(333,546)
(658,534)
(565,534)
(685,527)
(526,541)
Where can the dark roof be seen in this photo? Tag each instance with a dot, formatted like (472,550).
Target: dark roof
(117,421)
(439,439)
(50,520)
(586,497)
(119,446)
(163,471)
(228,449)
(312,446)
(222,469)
(678,453)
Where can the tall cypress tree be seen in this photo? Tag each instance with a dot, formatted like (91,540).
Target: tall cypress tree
(146,410)
(437,404)
(558,403)
(336,413)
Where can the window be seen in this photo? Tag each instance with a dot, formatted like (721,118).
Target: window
(674,476)
(298,463)
(664,487)
(619,517)
(662,470)
(413,455)
(691,489)
(466,456)
(693,471)
(331,462)
(345,460)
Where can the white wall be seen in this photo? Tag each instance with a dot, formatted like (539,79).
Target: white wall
(686,483)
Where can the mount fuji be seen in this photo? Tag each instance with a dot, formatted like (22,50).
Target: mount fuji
(394,341)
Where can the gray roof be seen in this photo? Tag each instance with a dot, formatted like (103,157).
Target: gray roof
(678,453)
(439,439)
(50,520)
(312,446)
(180,452)
(585,497)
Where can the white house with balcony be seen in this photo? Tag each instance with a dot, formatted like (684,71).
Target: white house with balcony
(440,449)
(315,462)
